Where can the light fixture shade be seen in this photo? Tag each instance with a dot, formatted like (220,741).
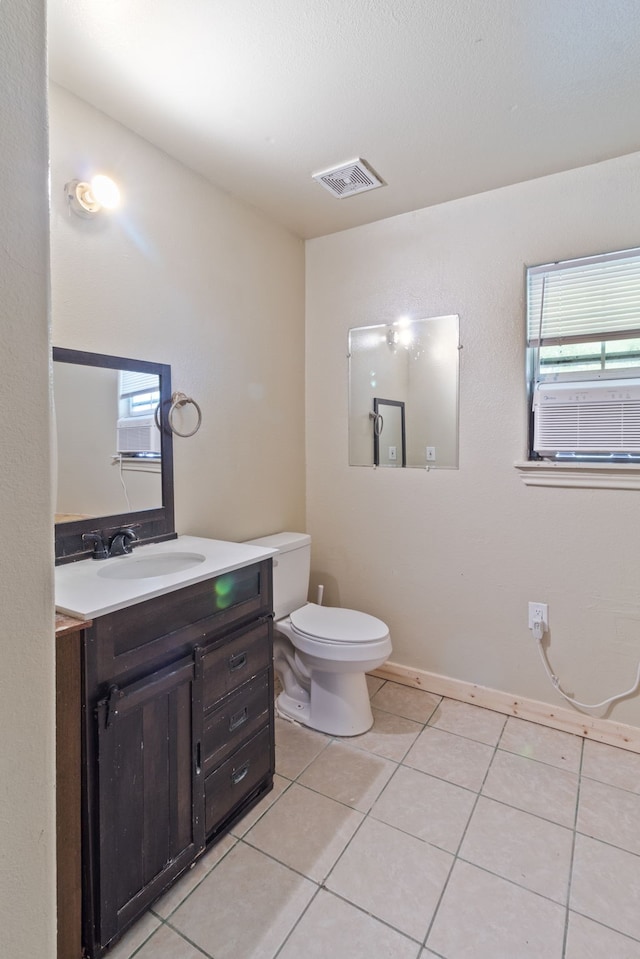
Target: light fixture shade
(105,191)
(87,199)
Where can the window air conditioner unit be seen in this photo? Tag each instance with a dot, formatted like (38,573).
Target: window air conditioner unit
(587,418)
(138,434)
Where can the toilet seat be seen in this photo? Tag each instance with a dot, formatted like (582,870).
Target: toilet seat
(330,624)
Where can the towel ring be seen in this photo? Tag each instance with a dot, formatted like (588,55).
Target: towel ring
(378,422)
(178,400)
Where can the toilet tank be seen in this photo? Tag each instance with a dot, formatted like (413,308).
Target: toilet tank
(291,567)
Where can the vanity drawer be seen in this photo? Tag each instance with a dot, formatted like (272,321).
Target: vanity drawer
(129,640)
(227,666)
(238,717)
(236,778)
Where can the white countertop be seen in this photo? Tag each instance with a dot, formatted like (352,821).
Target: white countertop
(89,588)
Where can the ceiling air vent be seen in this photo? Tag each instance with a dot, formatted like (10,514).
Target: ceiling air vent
(349,178)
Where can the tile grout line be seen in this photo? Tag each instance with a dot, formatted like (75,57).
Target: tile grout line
(320,886)
(464,833)
(572,858)
(603,925)
(195,945)
(197,885)
(365,816)
(352,905)
(298,920)
(142,944)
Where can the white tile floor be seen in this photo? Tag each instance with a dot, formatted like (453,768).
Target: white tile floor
(446,831)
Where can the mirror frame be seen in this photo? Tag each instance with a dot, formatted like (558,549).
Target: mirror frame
(151,525)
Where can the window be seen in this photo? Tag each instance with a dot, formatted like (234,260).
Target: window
(139,393)
(138,433)
(583,358)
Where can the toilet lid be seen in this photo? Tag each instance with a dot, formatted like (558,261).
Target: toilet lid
(334,624)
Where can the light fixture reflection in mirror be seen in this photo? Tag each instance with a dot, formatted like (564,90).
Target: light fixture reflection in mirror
(414,362)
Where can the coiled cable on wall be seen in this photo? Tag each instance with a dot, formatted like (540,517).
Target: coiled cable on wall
(538,633)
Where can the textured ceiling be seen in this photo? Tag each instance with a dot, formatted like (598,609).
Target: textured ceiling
(444,98)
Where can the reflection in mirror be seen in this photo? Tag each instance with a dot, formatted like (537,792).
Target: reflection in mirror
(114,452)
(389,436)
(109,450)
(414,362)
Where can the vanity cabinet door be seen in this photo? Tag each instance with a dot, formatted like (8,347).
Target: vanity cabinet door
(150,792)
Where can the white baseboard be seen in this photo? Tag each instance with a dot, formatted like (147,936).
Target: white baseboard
(600,730)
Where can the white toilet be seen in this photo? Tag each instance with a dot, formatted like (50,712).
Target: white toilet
(320,653)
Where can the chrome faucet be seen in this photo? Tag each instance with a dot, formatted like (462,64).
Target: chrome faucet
(121,542)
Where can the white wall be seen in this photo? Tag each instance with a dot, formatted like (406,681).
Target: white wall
(184,274)
(451,558)
(27,797)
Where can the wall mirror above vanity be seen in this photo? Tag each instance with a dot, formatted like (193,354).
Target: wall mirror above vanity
(114,449)
(403,393)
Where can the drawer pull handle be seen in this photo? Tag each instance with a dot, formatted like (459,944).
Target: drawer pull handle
(237,661)
(238,719)
(238,774)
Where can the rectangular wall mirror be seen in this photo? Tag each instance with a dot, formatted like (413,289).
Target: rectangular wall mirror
(114,449)
(414,365)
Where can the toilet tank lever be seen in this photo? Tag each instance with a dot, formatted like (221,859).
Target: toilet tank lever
(320,595)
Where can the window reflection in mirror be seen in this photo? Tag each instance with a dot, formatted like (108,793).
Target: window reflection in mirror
(416,363)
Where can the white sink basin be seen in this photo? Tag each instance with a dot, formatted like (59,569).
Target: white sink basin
(144,567)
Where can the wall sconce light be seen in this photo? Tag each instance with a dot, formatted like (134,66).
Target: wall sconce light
(87,199)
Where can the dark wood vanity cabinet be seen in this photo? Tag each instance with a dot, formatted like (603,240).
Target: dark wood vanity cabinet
(177,738)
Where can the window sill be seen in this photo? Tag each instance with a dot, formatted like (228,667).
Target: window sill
(580,475)
(133,465)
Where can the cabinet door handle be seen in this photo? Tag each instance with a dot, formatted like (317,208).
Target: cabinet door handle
(198,758)
(237,661)
(238,719)
(238,774)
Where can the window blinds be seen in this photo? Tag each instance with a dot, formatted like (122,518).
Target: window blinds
(133,381)
(576,301)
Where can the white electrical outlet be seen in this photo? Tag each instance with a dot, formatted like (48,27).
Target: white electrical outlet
(393,453)
(539,613)
(431,453)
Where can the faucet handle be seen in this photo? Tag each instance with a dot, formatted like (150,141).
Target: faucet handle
(96,541)
(121,541)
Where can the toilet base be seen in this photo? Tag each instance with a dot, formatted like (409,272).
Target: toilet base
(338,704)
